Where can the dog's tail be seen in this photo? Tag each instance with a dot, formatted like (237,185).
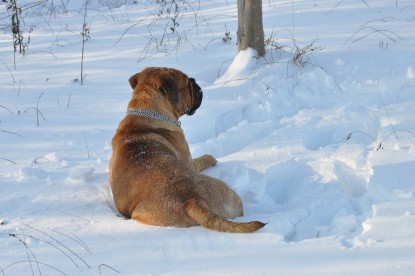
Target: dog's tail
(208,219)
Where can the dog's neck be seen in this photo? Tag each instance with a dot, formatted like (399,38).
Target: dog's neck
(151,99)
(153,115)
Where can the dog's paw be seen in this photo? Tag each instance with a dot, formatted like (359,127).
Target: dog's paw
(204,162)
(210,160)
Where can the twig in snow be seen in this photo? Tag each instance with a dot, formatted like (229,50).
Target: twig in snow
(379,144)
(77,240)
(338,4)
(37,114)
(394,133)
(61,244)
(300,52)
(2,106)
(220,68)
(73,215)
(69,100)
(113,269)
(86,143)
(85,37)
(37,110)
(50,244)
(126,30)
(372,30)
(390,121)
(265,101)
(11,133)
(28,250)
(8,69)
(38,263)
(81,242)
(8,160)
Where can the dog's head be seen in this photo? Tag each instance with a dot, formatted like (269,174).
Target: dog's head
(180,90)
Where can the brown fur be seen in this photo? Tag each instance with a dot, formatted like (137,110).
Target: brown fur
(153,178)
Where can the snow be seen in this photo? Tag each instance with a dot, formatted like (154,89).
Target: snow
(323,150)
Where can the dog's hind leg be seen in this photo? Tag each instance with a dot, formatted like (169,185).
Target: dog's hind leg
(162,214)
(221,199)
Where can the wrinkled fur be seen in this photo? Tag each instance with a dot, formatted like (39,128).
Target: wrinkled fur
(153,178)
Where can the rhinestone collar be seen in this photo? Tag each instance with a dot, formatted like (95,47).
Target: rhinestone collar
(153,115)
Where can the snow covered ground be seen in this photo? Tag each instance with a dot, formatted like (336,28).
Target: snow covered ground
(322,147)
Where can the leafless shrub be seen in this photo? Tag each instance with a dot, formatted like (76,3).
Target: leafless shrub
(301,51)
(20,45)
(273,42)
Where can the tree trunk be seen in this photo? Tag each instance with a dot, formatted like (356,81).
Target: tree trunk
(250,28)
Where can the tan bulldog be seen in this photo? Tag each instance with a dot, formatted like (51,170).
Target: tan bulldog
(153,177)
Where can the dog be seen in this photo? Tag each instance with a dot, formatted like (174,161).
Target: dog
(153,177)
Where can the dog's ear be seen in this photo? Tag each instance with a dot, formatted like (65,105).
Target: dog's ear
(133,80)
(168,85)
